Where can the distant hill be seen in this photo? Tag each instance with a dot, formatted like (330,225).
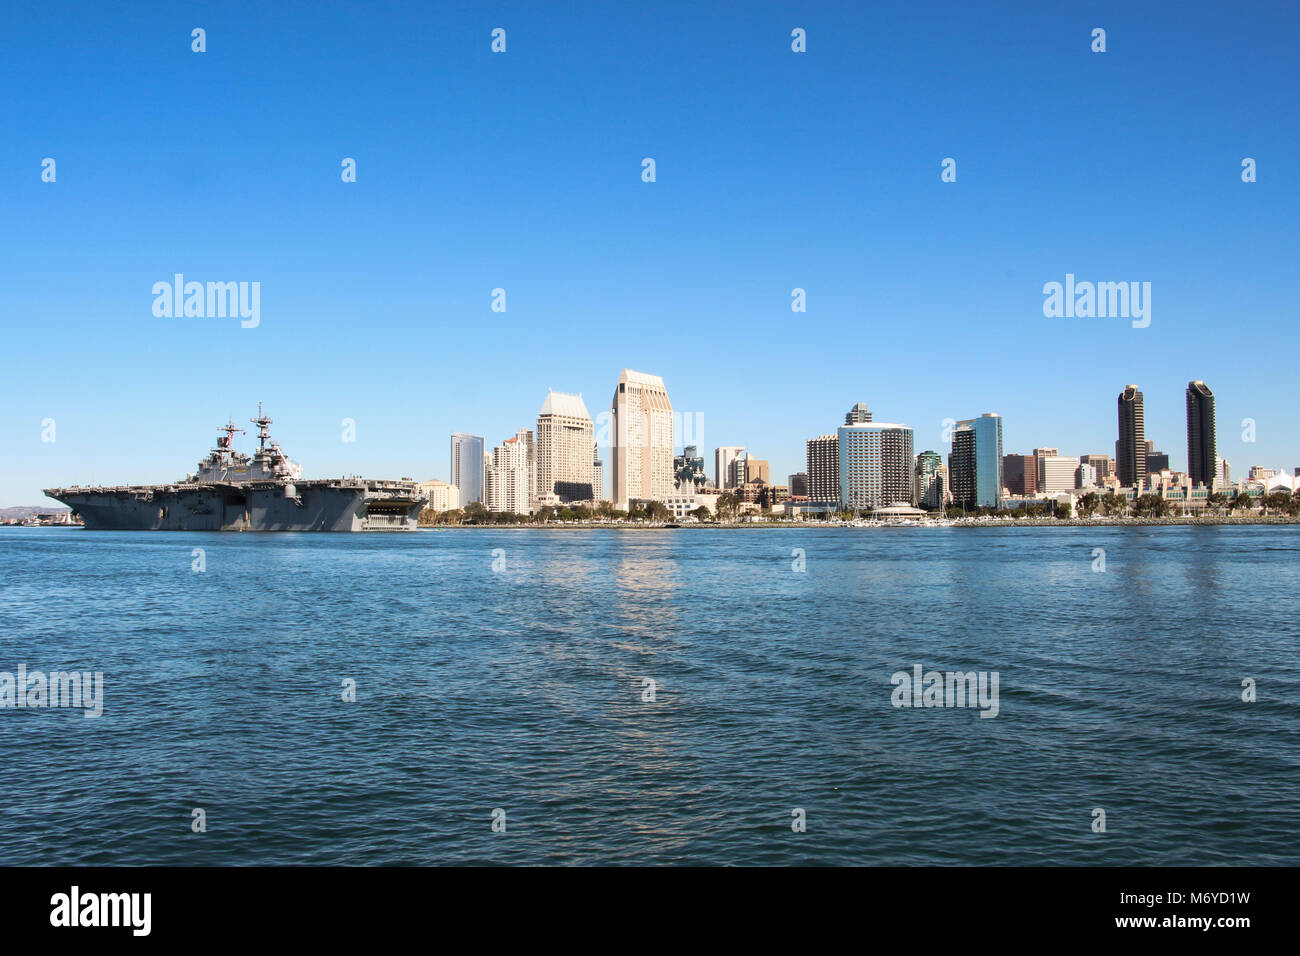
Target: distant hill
(19,512)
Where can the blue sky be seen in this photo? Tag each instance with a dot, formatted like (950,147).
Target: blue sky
(522,170)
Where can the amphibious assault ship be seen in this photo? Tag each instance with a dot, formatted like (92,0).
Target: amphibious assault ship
(236,492)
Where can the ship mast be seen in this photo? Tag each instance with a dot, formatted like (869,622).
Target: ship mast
(263,430)
(227,447)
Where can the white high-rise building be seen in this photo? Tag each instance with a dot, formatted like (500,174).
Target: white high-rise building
(641,440)
(723,456)
(510,478)
(565,463)
(876,465)
(597,474)
(467,459)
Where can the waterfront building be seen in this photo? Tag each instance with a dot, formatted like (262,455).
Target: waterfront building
(509,482)
(443,496)
(1085,476)
(597,474)
(1202,452)
(1261,473)
(641,439)
(564,464)
(799,484)
(723,456)
(681,504)
(975,464)
(876,465)
(824,469)
(1131,448)
(467,466)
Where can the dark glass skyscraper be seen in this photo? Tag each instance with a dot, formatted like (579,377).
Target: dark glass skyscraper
(1131,449)
(975,463)
(1202,453)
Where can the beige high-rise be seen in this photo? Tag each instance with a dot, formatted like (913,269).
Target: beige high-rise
(509,478)
(641,440)
(565,466)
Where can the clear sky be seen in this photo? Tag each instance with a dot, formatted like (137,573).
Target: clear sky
(523,171)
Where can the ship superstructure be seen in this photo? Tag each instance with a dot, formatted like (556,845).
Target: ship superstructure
(264,491)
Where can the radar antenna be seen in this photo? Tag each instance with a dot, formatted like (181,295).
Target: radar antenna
(263,430)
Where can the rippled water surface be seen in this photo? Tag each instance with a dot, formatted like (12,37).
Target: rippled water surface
(522,688)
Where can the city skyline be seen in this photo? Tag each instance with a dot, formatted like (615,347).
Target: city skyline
(858,412)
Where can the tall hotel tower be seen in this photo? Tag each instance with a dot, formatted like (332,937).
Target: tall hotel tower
(824,469)
(467,466)
(975,464)
(1130,450)
(565,465)
(509,481)
(641,440)
(1202,456)
(876,465)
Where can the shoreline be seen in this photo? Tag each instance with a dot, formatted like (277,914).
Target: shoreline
(1101,522)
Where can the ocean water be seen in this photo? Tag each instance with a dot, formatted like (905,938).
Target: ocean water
(508,670)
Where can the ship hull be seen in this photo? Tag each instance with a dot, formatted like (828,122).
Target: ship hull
(302,506)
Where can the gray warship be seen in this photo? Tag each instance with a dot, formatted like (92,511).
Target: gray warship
(236,492)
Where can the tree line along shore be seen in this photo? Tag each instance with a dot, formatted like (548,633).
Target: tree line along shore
(1089,510)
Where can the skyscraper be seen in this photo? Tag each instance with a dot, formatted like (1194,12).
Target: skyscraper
(975,465)
(723,456)
(597,474)
(824,469)
(929,480)
(509,481)
(858,415)
(564,442)
(875,465)
(641,439)
(799,484)
(1202,453)
(1130,450)
(467,466)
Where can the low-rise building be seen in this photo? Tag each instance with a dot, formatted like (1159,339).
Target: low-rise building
(443,496)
